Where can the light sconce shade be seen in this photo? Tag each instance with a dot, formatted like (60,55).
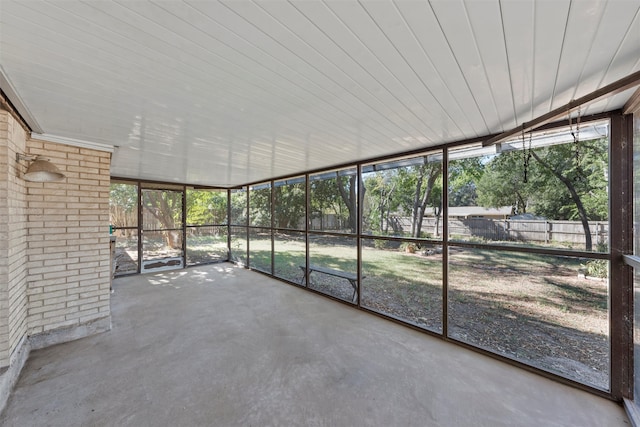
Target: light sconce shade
(41,170)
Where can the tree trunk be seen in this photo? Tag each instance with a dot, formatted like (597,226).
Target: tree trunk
(161,210)
(415,211)
(425,199)
(521,205)
(387,215)
(382,211)
(350,199)
(420,203)
(385,208)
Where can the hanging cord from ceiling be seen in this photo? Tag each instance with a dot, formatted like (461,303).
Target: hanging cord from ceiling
(576,144)
(526,157)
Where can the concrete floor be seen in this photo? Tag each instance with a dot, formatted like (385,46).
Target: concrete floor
(223,346)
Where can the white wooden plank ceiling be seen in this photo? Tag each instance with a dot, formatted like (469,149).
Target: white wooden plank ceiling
(226,93)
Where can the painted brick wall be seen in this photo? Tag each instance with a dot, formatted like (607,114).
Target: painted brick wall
(54,243)
(17,238)
(68,240)
(4,243)
(13,239)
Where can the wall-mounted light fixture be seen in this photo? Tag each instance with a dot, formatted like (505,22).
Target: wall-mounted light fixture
(40,170)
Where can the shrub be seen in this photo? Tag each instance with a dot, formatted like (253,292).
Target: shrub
(409,247)
(380,244)
(597,268)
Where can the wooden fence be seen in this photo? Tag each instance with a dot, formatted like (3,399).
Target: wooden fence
(542,231)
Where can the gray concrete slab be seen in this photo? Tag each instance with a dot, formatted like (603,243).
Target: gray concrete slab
(223,346)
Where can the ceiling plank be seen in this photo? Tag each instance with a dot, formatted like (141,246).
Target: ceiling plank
(623,84)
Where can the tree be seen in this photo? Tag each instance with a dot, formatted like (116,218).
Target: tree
(206,207)
(166,207)
(123,205)
(584,175)
(562,184)
(502,183)
(337,194)
(260,206)
(412,189)
(290,206)
(238,208)
(463,177)
(418,187)
(380,201)
(323,197)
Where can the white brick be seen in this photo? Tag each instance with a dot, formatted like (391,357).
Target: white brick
(91,317)
(48,308)
(42,296)
(60,324)
(96,304)
(55,314)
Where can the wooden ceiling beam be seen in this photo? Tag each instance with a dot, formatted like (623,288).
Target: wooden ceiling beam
(633,104)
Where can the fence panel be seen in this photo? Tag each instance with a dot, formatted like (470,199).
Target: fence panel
(569,233)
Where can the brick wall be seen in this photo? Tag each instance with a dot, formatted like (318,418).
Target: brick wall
(17,239)
(68,240)
(54,243)
(4,243)
(13,240)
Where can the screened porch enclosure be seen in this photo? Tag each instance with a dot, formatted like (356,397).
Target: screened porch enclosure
(179,226)
(531,286)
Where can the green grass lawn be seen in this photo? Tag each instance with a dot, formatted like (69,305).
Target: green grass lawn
(206,248)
